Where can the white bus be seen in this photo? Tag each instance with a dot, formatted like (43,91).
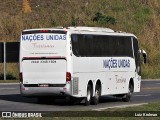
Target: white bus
(80,62)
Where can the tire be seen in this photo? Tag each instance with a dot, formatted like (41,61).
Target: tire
(95,99)
(89,95)
(127,97)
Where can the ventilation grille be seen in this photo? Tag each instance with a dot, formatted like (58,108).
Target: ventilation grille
(75,86)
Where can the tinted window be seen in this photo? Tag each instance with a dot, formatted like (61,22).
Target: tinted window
(101,45)
(137,55)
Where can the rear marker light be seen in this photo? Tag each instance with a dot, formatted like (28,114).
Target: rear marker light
(44,31)
(23,89)
(64,89)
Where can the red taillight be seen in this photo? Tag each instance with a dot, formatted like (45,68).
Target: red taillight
(68,76)
(20,77)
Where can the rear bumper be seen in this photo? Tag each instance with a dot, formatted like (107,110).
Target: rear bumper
(43,91)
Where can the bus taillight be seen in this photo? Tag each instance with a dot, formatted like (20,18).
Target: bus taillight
(68,76)
(20,77)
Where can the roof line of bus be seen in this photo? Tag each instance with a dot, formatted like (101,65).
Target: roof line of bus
(85,29)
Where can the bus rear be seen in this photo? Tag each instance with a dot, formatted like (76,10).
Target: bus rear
(43,63)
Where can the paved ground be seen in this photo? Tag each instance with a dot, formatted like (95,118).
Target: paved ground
(11,100)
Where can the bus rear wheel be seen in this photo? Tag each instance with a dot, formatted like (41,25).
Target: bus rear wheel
(89,95)
(127,97)
(95,99)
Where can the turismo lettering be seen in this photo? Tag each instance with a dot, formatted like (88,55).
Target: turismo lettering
(116,63)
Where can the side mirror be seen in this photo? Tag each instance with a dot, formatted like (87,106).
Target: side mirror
(144,56)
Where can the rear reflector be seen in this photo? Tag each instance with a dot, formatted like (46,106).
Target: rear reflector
(68,76)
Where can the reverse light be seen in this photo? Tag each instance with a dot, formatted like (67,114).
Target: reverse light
(68,76)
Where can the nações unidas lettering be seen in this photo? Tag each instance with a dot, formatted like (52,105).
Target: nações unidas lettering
(116,63)
(32,37)
(43,37)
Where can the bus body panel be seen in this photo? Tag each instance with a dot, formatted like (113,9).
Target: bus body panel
(44,71)
(43,62)
(114,80)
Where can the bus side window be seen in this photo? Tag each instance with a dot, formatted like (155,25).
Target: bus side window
(137,55)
